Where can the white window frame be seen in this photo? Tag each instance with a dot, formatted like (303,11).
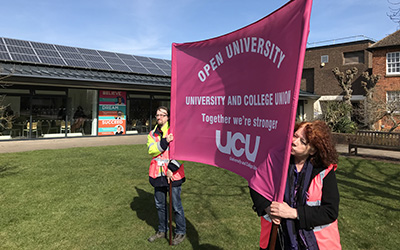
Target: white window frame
(393,96)
(325,59)
(393,63)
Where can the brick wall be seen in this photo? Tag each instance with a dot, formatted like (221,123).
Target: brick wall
(386,83)
(323,79)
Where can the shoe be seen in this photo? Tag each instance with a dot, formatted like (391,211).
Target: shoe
(178,239)
(158,235)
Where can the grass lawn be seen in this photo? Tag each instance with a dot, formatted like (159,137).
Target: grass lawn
(100,198)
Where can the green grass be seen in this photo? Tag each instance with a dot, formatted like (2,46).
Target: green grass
(100,198)
(369,215)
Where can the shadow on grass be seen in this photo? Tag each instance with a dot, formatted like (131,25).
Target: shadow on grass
(141,204)
(365,182)
(7,171)
(374,157)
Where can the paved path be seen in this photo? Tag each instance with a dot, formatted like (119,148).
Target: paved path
(29,145)
(374,154)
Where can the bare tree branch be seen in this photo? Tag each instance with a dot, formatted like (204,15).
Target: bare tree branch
(394,12)
(345,81)
(377,108)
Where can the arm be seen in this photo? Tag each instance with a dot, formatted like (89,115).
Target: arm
(310,217)
(263,206)
(155,148)
(260,203)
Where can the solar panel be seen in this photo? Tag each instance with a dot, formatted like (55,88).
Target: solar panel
(25,58)
(125,56)
(3,48)
(76,63)
(141,58)
(26,51)
(43,46)
(107,54)
(157,61)
(5,56)
(51,53)
(113,60)
(66,49)
(71,55)
(88,51)
(93,58)
(16,42)
(156,71)
(166,70)
(132,63)
(148,64)
(163,66)
(139,69)
(52,60)
(21,50)
(120,67)
(99,65)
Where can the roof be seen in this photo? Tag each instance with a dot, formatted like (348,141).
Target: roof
(60,76)
(307,95)
(40,63)
(389,41)
(57,65)
(13,50)
(345,41)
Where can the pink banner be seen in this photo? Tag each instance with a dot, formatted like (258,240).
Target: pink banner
(234,97)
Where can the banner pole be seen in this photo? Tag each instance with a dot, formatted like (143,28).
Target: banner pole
(272,238)
(170,213)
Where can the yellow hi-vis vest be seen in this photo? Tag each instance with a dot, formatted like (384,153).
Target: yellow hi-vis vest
(327,235)
(159,163)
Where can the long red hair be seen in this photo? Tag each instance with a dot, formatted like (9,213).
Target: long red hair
(319,135)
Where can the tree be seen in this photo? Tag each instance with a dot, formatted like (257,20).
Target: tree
(345,80)
(393,108)
(376,107)
(335,115)
(372,111)
(394,11)
(6,116)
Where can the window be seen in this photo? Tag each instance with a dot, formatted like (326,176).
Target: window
(393,101)
(353,57)
(393,63)
(324,59)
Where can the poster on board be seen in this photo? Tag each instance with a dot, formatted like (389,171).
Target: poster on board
(112,112)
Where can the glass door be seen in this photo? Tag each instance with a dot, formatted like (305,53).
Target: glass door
(44,116)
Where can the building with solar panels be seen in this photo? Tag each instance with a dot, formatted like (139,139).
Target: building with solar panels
(61,91)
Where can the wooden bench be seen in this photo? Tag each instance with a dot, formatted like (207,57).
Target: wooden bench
(374,140)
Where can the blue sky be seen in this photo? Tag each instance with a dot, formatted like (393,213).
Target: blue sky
(149,27)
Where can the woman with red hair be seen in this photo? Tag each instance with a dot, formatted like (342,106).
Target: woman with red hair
(308,215)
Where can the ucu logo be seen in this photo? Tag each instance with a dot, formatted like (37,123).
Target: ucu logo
(231,145)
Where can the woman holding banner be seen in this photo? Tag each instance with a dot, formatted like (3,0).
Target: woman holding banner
(308,215)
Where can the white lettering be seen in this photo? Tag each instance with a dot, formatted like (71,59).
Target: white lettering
(257,45)
(230,146)
(214,62)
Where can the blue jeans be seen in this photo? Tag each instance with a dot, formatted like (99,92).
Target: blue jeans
(160,197)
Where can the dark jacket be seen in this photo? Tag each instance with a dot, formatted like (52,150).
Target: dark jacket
(310,217)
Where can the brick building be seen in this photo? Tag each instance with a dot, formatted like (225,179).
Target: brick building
(386,64)
(319,79)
